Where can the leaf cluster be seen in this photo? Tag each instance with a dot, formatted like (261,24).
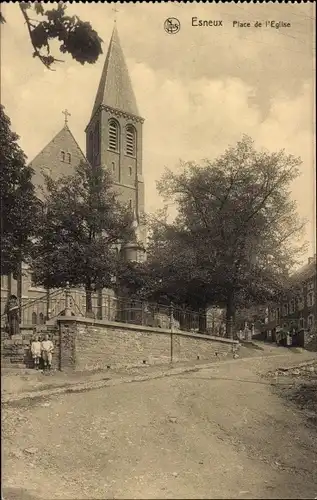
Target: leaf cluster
(19,206)
(76,37)
(237,234)
(83,223)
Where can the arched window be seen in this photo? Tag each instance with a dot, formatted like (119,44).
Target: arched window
(69,158)
(310,321)
(41,319)
(34,318)
(130,171)
(130,203)
(130,140)
(310,299)
(63,155)
(113,166)
(113,135)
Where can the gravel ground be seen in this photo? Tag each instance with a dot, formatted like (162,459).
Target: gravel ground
(222,432)
(298,385)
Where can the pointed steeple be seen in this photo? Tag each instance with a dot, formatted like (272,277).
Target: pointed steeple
(115,88)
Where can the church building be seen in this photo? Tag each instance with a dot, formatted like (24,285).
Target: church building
(113,140)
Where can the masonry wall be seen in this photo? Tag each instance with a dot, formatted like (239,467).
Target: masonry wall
(89,345)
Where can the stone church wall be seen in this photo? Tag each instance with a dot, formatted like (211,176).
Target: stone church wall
(89,345)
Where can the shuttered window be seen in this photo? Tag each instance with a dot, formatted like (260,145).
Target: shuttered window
(113,135)
(130,140)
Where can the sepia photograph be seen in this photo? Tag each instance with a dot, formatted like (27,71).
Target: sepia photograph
(158,250)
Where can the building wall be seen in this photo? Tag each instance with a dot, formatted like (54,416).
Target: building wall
(298,307)
(88,345)
(30,292)
(61,156)
(129,183)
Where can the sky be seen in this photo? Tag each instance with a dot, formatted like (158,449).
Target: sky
(199,90)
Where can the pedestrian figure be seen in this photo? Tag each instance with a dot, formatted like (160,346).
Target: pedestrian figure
(278,336)
(240,334)
(12,312)
(36,350)
(289,339)
(47,352)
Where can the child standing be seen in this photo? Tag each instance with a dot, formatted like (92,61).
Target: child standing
(36,349)
(47,351)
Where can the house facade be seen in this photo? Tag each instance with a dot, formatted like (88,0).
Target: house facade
(297,308)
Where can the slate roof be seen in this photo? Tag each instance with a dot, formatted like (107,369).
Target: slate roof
(115,87)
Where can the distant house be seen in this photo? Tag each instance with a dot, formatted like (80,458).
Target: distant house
(297,308)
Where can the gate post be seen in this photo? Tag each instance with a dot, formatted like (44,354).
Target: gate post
(67,301)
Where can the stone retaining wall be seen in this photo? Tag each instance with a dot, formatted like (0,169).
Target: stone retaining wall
(88,344)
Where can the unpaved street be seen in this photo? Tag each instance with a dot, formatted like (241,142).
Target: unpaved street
(217,433)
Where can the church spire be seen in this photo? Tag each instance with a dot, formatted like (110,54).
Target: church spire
(115,88)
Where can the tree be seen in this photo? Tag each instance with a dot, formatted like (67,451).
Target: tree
(233,240)
(76,37)
(81,224)
(18,202)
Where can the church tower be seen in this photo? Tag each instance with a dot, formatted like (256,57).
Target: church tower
(114,132)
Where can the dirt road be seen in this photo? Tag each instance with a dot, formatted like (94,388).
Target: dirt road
(216,433)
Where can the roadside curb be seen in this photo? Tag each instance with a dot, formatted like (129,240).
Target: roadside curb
(299,365)
(125,379)
(87,386)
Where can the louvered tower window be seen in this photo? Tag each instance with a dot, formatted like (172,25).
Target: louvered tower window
(130,140)
(113,135)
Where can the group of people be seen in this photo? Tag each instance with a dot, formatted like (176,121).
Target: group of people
(42,350)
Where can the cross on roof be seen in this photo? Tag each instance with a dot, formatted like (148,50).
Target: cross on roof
(115,10)
(67,114)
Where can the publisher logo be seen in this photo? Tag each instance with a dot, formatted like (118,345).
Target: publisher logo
(172,25)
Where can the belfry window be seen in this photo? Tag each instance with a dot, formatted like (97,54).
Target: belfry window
(69,158)
(113,135)
(130,140)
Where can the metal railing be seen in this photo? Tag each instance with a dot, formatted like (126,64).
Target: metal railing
(107,306)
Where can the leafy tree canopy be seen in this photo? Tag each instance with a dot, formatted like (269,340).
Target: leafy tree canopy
(76,37)
(19,205)
(237,233)
(82,224)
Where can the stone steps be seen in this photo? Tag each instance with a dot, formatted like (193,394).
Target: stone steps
(15,351)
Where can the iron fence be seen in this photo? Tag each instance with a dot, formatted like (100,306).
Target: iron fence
(110,307)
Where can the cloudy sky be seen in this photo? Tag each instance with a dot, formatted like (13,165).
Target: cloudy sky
(198,90)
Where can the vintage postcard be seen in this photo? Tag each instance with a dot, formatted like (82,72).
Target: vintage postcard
(158,250)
